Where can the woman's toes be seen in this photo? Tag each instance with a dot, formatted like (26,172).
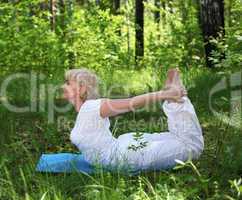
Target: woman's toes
(170,78)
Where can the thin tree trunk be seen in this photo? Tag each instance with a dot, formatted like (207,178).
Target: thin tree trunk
(139,29)
(97,2)
(116,6)
(157,12)
(62,15)
(53,14)
(128,28)
(116,11)
(163,4)
(212,23)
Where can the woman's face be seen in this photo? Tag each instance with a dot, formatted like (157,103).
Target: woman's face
(71,91)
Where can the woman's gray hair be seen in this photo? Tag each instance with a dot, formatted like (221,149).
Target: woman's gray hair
(86,77)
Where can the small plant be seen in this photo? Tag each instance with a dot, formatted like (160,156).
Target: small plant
(138,136)
(237,186)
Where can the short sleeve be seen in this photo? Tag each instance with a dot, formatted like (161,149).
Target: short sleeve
(92,107)
(89,118)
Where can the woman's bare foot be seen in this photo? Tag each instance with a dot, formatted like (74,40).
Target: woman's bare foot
(173,78)
(170,76)
(174,86)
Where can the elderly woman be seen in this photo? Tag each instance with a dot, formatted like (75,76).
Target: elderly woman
(92,136)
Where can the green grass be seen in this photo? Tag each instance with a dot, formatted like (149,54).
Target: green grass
(25,136)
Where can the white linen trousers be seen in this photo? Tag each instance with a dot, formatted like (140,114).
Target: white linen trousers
(92,136)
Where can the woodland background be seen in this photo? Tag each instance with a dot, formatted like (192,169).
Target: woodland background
(130,44)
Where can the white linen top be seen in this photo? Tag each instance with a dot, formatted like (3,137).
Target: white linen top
(91,132)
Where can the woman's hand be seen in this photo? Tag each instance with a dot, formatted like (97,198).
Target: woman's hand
(175,93)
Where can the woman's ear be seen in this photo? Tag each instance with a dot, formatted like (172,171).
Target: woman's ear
(82,88)
(83,91)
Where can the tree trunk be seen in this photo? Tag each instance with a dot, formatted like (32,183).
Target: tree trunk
(62,15)
(116,11)
(97,2)
(53,14)
(157,12)
(128,29)
(212,23)
(163,4)
(116,6)
(139,29)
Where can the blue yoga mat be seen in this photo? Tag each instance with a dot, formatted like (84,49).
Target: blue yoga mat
(63,162)
(70,162)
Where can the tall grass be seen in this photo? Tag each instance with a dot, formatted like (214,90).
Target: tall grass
(216,175)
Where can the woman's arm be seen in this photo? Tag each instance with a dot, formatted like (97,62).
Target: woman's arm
(112,107)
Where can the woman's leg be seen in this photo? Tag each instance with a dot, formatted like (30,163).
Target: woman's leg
(173,78)
(183,123)
(183,140)
(182,118)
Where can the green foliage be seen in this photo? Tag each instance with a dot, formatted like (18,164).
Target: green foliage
(138,136)
(89,37)
(216,175)
(26,41)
